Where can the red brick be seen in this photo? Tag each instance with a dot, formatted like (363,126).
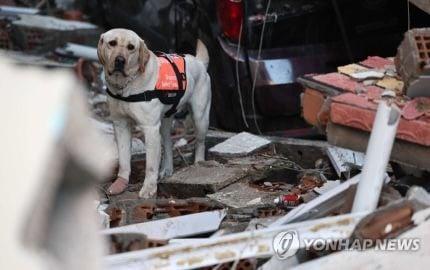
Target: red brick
(358,112)
(339,81)
(313,102)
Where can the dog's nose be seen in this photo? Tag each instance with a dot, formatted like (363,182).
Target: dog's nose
(119,62)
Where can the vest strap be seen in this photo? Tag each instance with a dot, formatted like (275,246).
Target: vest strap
(167,97)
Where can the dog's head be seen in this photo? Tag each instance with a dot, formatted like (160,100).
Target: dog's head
(123,54)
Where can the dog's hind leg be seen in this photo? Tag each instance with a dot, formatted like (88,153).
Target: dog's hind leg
(200,105)
(167,161)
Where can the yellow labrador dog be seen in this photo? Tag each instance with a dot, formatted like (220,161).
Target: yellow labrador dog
(132,73)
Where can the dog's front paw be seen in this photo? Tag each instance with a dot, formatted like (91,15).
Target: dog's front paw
(165,172)
(148,191)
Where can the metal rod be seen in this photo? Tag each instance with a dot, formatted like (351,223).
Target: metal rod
(342,30)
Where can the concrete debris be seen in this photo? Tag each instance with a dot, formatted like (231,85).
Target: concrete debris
(254,201)
(327,186)
(8,10)
(175,227)
(125,212)
(180,143)
(418,194)
(240,194)
(248,244)
(24,59)
(378,259)
(334,201)
(126,242)
(241,144)
(78,51)
(367,74)
(37,33)
(104,218)
(51,23)
(199,179)
(344,160)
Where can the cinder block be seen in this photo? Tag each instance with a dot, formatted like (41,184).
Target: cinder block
(413,62)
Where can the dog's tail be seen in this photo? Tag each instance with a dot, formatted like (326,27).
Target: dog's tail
(202,53)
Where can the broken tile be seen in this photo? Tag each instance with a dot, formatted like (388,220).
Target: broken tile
(377,62)
(416,108)
(391,83)
(339,81)
(367,74)
(241,144)
(350,69)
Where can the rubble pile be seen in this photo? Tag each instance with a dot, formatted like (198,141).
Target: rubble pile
(237,209)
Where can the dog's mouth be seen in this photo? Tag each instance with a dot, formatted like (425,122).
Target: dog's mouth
(118,70)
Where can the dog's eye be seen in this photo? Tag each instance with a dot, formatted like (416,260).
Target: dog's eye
(112,43)
(130,47)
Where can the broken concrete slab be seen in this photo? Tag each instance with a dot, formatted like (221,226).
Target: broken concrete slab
(39,33)
(242,195)
(419,194)
(258,223)
(269,177)
(78,51)
(202,178)
(181,226)
(241,144)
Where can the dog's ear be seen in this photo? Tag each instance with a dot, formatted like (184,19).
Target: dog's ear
(100,52)
(143,55)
